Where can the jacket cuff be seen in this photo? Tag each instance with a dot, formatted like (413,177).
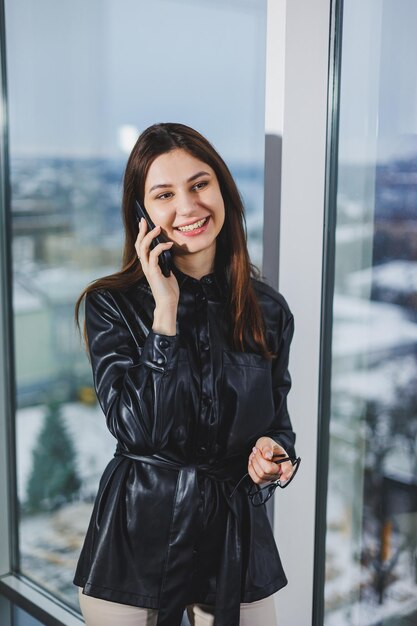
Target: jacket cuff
(160,352)
(285,443)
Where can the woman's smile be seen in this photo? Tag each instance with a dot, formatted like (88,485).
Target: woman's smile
(195,228)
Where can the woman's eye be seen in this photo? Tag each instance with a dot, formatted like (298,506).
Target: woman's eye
(203,183)
(163,195)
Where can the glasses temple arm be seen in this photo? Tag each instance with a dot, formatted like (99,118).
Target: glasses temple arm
(244,476)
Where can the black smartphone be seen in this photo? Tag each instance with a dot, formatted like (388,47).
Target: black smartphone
(165,258)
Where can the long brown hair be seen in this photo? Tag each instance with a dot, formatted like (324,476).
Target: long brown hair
(247,324)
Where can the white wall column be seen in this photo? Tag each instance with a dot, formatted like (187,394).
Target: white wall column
(300,281)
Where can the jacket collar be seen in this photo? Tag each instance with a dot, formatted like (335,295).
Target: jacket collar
(214,284)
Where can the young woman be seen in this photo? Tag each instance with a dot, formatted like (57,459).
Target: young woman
(191,371)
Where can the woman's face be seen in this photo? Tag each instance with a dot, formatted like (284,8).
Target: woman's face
(181,191)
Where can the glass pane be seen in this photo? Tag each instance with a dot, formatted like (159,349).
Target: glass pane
(371,541)
(21,618)
(84,79)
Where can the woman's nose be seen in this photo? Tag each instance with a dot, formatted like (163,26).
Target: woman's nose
(185,203)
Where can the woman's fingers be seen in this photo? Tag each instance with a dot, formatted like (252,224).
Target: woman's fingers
(262,470)
(143,245)
(142,226)
(156,251)
(144,239)
(144,234)
(287,470)
(165,289)
(253,474)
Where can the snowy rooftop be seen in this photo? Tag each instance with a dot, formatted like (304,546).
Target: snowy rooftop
(400,276)
(33,287)
(367,327)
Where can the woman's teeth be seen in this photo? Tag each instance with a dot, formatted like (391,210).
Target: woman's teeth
(193,226)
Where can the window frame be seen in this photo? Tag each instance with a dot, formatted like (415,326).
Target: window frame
(328,280)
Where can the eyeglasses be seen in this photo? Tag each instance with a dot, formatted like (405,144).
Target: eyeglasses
(261,495)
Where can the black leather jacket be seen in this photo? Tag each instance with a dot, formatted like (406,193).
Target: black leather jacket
(185,411)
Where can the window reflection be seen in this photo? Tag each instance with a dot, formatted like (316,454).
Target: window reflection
(80,91)
(371,541)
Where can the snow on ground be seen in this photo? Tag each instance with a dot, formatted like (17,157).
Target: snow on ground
(50,543)
(349,594)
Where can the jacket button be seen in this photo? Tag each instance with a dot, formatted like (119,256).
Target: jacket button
(208,280)
(164,343)
(204,346)
(159,360)
(207,400)
(202,450)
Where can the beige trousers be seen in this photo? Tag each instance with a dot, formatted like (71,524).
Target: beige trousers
(98,612)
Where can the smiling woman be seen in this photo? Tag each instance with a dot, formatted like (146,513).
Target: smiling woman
(174,523)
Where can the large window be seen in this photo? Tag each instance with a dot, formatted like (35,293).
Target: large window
(371,541)
(84,79)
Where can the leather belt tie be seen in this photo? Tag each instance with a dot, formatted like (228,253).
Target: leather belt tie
(182,527)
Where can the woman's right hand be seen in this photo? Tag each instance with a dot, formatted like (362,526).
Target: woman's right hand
(165,290)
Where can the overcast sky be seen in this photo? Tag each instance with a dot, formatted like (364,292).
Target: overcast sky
(85,78)
(378,113)
(79,72)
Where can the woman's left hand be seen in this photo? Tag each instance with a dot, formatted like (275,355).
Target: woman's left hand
(261,469)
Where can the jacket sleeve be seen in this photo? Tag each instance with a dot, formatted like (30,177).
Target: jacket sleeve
(135,384)
(282,430)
